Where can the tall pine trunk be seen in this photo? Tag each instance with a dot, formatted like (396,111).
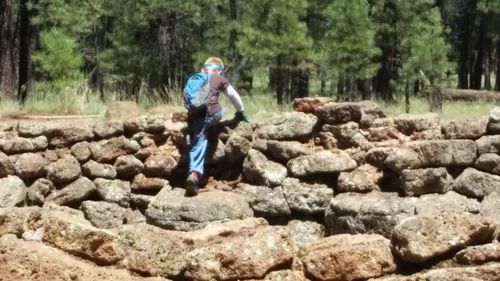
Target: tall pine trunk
(27,39)
(477,68)
(497,82)
(7,39)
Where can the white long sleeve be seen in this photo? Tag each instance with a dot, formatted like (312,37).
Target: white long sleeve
(235,98)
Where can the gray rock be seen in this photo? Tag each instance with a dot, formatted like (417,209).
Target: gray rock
(108,129)
(265,201)
(103,214)
(450,201)
(154,124)
(107,151)
(244,129)
(365,178)
(371,111)
(140,200)
(74,193)
(477,184)
(236,148)
(321,162)
(339,113)
(304,198)
(64,170)
(465,128)
(494,121)
(141,183)
(159,165)
(12,191)
(66,134)
(398,159)
(488,144)
(479,254)
(409,124)
(422,181)
(30,129)
(128,166)
(374,212)
(344,132)
(305,232)
(216,154)
(489,162)
(445,153)
(6,166)
(287,126)
(134,217)
(423,237)
(285,150)
(81,151)
(93,170)
(122,110)
(39,190)
(21,145)
(170,209)
(114,191)
(17,220)
(490,207)
(30,166)
(259,170)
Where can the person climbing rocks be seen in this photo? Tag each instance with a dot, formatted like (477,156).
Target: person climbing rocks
(201,99)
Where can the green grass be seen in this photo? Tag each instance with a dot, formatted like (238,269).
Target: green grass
(259,105)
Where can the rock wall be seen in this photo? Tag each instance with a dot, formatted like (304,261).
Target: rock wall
(331,191)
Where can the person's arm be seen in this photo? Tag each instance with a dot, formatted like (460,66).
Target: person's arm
(235,98)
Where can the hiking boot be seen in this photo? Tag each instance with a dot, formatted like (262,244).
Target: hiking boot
(192,184)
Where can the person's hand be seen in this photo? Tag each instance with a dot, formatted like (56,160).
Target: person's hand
(240,116)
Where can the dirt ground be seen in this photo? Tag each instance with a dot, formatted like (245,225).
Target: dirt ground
(32,261)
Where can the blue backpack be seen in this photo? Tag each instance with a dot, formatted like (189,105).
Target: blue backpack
(197,92)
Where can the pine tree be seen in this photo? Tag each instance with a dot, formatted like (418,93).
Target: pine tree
(350,44)
(274,34)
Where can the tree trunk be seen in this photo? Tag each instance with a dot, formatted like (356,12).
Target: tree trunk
(7,39)
(477,68)
(465,50)
(497,82)
(407,97)
(487,71)
(340,87)
(280,81)
(299,84)
(27,40)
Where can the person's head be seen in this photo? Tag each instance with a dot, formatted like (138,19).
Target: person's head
(213,65)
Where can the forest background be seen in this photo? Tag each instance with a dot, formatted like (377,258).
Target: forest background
(89,52)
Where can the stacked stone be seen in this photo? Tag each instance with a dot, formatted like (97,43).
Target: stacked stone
(331,191)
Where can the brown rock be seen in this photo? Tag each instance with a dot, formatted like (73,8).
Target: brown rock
(39,190)
(64,170)
(479,254)
(488,144)
(107,151)
(349,257)
(285,150)
(309,105)
(6,166)
(128,166)
(16,221)
(429,235)
(422,181)
(489,162)
(159,165)
(74,193)
(30,166)
(21,145)
(365,178)
(477,184)
(81,151)
(108,129)
(445,153)
(142,183)
(93,170)
(409,124)
(321,162)
(465,128)
(248,255)
(66,134)
(260,170)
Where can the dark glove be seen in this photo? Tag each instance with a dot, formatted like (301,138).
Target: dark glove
(240,116)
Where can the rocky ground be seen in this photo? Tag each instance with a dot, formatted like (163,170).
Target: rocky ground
(331,191)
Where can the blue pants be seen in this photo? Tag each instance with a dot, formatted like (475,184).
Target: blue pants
(199,130)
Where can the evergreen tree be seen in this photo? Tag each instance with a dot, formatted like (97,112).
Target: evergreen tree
(274,34)
(350,44)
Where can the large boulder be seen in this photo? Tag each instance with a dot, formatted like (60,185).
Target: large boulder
(236,148)
(398,159)
(339,113)
(122,110)
(81,151)
(349,257)
(103,214)
(303,232)
(321,162)
(365,178)
(479,254)
(265,201)
(153,251)
(422,181)
(108,129)
(260,170)
(445,153)
(159,165)
(287,126)
(409,124)
(305,198)
(66,134)
(374,212)
(141,183)
(93,169)
(488,144)
(474,183)
(170,209)
(250,254)
(154,124)
(432,234)
(30,166)
(465,128)
(114,191)
(494,121)
(73,193)
(21,145)
(106,151)
(489,162)
(64,170)
(30,129)
(285,150)
(12,191)
(451,201)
